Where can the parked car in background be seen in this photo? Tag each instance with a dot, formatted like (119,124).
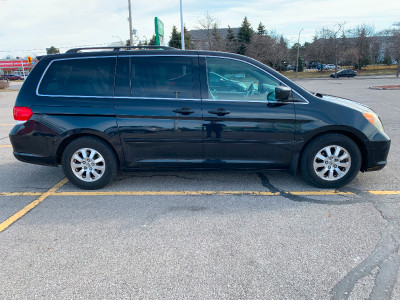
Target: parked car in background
(345,73)
(12,77)
(291,68)
(314,65)
(331,67)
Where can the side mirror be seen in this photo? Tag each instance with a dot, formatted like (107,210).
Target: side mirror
(282,93)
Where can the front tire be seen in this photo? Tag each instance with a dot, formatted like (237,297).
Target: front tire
(89,163)
(330,161)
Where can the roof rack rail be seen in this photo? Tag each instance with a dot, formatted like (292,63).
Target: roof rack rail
(121,48)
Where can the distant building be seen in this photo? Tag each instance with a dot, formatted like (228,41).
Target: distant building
(14,66)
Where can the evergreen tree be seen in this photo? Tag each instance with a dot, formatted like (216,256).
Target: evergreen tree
(217,43)
(152,40)
(52,50)
(230,41)
(175,40)
(244,36)
(261,29)
(188,39)
(301,64)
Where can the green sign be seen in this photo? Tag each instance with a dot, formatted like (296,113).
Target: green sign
(159,26)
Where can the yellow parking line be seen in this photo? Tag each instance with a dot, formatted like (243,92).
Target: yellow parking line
(31,205)
(194,193)
(5,146)
(166,193)
(7,124)
(385,192)
(20,194)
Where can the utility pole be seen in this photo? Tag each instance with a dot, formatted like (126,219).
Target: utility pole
(182,30)
(298,50)
(130,24)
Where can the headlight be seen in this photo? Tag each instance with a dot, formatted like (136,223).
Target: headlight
(374,120)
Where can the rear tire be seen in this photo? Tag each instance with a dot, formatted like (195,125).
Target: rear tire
(330,161)
(89,163)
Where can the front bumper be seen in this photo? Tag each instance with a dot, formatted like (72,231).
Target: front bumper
(378,152)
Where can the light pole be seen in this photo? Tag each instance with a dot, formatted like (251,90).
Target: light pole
(130,24)
(298,49)
(182,30)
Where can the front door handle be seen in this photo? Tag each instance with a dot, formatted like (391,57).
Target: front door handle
(219,112)
(183,111)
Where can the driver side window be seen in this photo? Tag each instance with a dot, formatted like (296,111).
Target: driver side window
(235,80)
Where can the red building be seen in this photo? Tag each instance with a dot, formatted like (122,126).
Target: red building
(16,66)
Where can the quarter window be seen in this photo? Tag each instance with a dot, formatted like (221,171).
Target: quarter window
(234,80)
(79,77)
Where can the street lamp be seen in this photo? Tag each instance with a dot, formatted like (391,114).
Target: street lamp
(298,49)
(130,23)
(182,30)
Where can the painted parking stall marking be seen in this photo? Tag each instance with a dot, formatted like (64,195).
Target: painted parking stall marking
(31,205)
(53,192)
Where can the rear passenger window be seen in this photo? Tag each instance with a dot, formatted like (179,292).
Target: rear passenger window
(155,77)
(79,77)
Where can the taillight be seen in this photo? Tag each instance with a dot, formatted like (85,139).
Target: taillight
(22,114)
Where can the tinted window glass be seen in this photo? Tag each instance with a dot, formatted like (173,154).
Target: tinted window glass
(79,77)
(234,80)
(122,81)
(162,77)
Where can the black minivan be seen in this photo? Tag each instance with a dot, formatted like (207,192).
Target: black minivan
(123,108)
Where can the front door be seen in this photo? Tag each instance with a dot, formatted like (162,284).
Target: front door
(158,109)
(243,122)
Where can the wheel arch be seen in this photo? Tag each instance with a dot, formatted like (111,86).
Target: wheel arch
(66,141)
(356,138)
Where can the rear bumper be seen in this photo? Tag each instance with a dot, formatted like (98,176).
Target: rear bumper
(32,146)
(35,159)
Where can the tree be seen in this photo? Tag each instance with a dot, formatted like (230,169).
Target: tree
(394,45)
(261,48)
(188,39)
(280,53)
(362,35)
(244,36)
(322,48)
(52,50)
(175,39)
(153,40)
(261,29)
(230,41)
(208,23)
(217,43)
(387,60)
(301,64)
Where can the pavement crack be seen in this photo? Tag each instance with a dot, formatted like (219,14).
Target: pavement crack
(297,198)
(385,257)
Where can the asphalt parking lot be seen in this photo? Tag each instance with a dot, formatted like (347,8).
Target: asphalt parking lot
(203,234)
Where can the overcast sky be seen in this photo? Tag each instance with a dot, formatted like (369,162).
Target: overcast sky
(27,27)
